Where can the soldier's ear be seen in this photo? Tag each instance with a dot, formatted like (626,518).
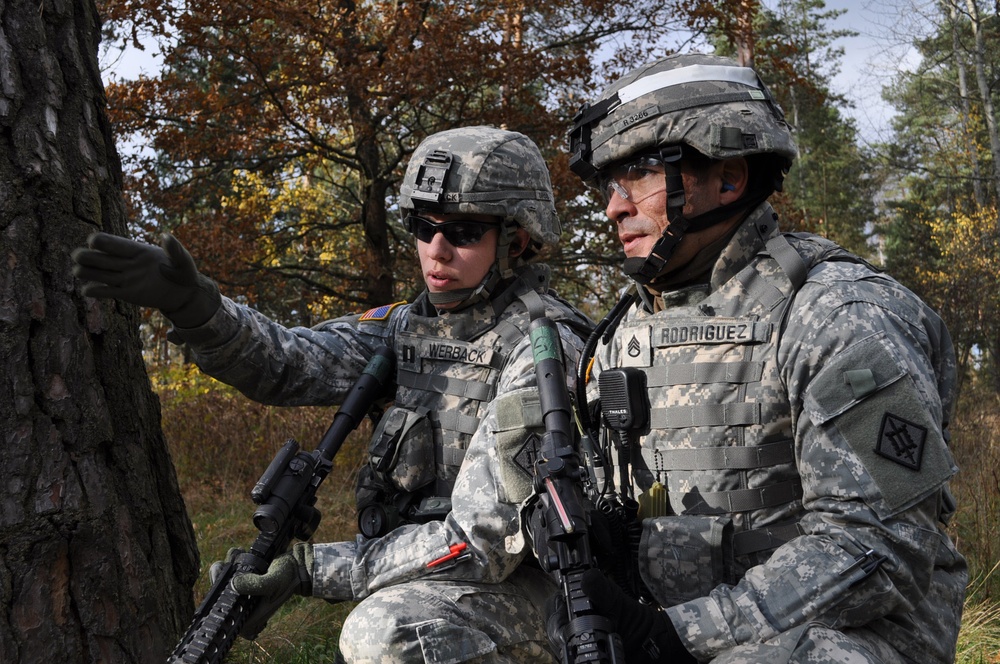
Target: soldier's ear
(518,243)
(735,175)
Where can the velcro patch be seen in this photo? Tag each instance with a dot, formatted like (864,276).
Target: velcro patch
(891,428)
(901,441)
(711,331)
(519,418)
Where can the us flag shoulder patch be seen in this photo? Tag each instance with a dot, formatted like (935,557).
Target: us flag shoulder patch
(380,313)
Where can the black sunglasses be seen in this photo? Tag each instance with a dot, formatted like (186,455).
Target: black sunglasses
(459,233)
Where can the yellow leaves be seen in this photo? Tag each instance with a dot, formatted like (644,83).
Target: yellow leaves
(965,280)
(250,195)
(175,381)
(968,242)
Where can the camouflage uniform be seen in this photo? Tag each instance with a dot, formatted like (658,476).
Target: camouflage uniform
(440,611)
(799,402)
(796,428)
(464,404)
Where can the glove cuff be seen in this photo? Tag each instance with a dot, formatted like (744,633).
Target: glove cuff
(302,552)
(205,300)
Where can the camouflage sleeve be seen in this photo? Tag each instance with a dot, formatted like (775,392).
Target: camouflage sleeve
(295,366)
(870,372)
(484,517)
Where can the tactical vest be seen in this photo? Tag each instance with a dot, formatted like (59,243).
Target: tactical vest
(720,431)
(448,368)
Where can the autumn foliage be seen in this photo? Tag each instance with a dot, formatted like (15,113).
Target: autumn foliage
(276,134)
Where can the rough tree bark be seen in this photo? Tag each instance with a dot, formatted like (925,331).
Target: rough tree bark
(97,555)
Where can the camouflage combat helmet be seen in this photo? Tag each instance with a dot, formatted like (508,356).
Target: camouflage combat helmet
(705,102)
(484,170)
(708,102)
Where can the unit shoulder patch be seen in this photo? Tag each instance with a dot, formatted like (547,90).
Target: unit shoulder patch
(528,454)
(901,441)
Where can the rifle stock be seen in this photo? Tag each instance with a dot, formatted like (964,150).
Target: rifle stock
(286,497)
(590,637)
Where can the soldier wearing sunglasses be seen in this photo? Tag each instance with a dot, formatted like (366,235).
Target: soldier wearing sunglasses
(437,564)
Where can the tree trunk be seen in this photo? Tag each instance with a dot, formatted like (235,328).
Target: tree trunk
(745,46)
(966,115)
(979,58)
(97,555)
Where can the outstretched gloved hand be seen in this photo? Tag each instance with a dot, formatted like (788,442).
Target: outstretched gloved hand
(288,574)
(163,277)
(647,634)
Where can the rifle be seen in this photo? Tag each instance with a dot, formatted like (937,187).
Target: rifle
(286,499)
(590,637)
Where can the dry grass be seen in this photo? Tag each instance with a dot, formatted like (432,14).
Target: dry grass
(979,640)
(976,526)
(221,442)
(216,478)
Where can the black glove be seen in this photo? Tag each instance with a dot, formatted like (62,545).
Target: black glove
(647,634)
(537,531)
(555,622)
(163,278)
(288,574)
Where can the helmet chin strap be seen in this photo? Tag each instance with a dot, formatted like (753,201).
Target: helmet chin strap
(502,268)
(644,270)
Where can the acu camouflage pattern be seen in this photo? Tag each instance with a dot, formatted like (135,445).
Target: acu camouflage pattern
(766,447)
(452,621)
(449,366)
(494,172)
(316,366)
(720,119)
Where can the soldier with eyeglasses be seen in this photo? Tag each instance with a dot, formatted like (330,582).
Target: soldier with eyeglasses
(437,565)
(772,409)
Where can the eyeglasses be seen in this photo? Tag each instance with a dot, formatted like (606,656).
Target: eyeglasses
(633,181)
(458,233)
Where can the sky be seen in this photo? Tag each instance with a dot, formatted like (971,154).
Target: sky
(880,48)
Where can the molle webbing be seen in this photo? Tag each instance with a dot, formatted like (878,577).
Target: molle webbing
(790,261)
(449,419)
(704,372)
(444,385)
(482,354)
(707,415)
(763,539)
(510,333)
(759,288)
(746,500)
(450,456)
(719,458)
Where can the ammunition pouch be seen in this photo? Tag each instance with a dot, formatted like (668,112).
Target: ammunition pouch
(393,488)
(402,449)
(684,557)
(387,511)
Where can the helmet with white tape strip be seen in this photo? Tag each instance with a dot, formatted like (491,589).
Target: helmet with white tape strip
(707,102)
